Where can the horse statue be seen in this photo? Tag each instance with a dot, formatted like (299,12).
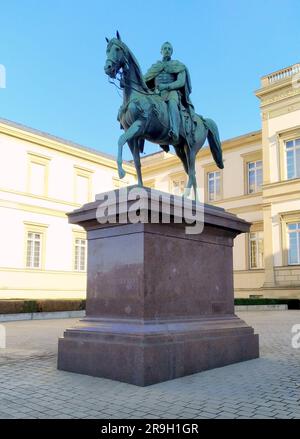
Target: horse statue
(144,116)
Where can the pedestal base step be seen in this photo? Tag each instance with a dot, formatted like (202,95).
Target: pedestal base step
(145,353)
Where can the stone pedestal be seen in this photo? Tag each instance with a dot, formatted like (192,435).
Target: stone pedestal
(159,301)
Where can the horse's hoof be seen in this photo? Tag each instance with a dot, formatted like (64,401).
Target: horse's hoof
(122,173)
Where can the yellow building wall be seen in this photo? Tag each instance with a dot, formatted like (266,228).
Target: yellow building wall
(21,210)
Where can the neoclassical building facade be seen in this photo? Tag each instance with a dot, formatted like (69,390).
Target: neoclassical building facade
(43,177)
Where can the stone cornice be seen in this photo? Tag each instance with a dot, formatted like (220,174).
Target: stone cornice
(273,87)
(288,189)
(277,92)
(37,138)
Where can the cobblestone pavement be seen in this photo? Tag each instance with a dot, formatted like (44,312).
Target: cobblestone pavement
(268,387)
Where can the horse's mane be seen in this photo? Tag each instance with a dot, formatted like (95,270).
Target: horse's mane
(131,60)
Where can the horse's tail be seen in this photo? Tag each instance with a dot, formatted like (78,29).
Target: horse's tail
(214,142)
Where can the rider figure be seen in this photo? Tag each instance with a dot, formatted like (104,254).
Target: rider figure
(171,80)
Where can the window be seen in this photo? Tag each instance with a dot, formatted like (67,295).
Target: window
(214,185)
(254,170)
(178,186)
(34,250)
(38,174)
(83,185)
(256,250)
(289,150)
(177,183)
(37,179)
(82,189)
(293,243)
(34,243)
(290,239)
(292,148)
(80,254)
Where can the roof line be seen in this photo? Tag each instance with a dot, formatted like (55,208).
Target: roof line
(251,133)
(59,139)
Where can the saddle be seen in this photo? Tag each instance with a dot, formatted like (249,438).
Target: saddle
(187,127)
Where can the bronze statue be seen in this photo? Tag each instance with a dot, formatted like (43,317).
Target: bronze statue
(156,113)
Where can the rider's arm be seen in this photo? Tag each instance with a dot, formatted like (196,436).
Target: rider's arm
(179,83)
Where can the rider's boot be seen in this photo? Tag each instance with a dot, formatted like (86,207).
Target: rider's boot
(174,121)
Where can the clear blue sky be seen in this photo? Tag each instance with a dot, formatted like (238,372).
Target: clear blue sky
(54,52)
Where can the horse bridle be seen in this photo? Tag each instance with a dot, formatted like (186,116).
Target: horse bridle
(122,79)
(120,46)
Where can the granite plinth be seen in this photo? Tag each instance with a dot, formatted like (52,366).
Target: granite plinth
(159,301)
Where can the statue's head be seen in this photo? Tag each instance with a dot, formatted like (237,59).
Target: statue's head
(115,56)
(166,50)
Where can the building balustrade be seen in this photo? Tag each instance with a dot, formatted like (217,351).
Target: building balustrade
(280,75)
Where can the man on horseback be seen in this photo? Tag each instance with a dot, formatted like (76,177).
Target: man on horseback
(145,115)
(172,81)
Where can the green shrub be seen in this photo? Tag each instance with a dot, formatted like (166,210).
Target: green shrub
(291,303)
(30,306)
(82,304)
(15,306)
(55,305)
(11,306)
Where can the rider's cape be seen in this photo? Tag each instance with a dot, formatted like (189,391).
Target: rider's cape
(171,66)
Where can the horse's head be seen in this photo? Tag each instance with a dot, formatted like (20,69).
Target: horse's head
(116,57)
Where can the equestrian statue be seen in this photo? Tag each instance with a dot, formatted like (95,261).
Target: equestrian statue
(157,107)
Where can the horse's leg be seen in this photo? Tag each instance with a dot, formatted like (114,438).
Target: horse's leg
(201,135)
(187,153)
(192,155)
(179,149)
(181,154)
(135,150)
(137,161)
(128,135)
(193,159)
